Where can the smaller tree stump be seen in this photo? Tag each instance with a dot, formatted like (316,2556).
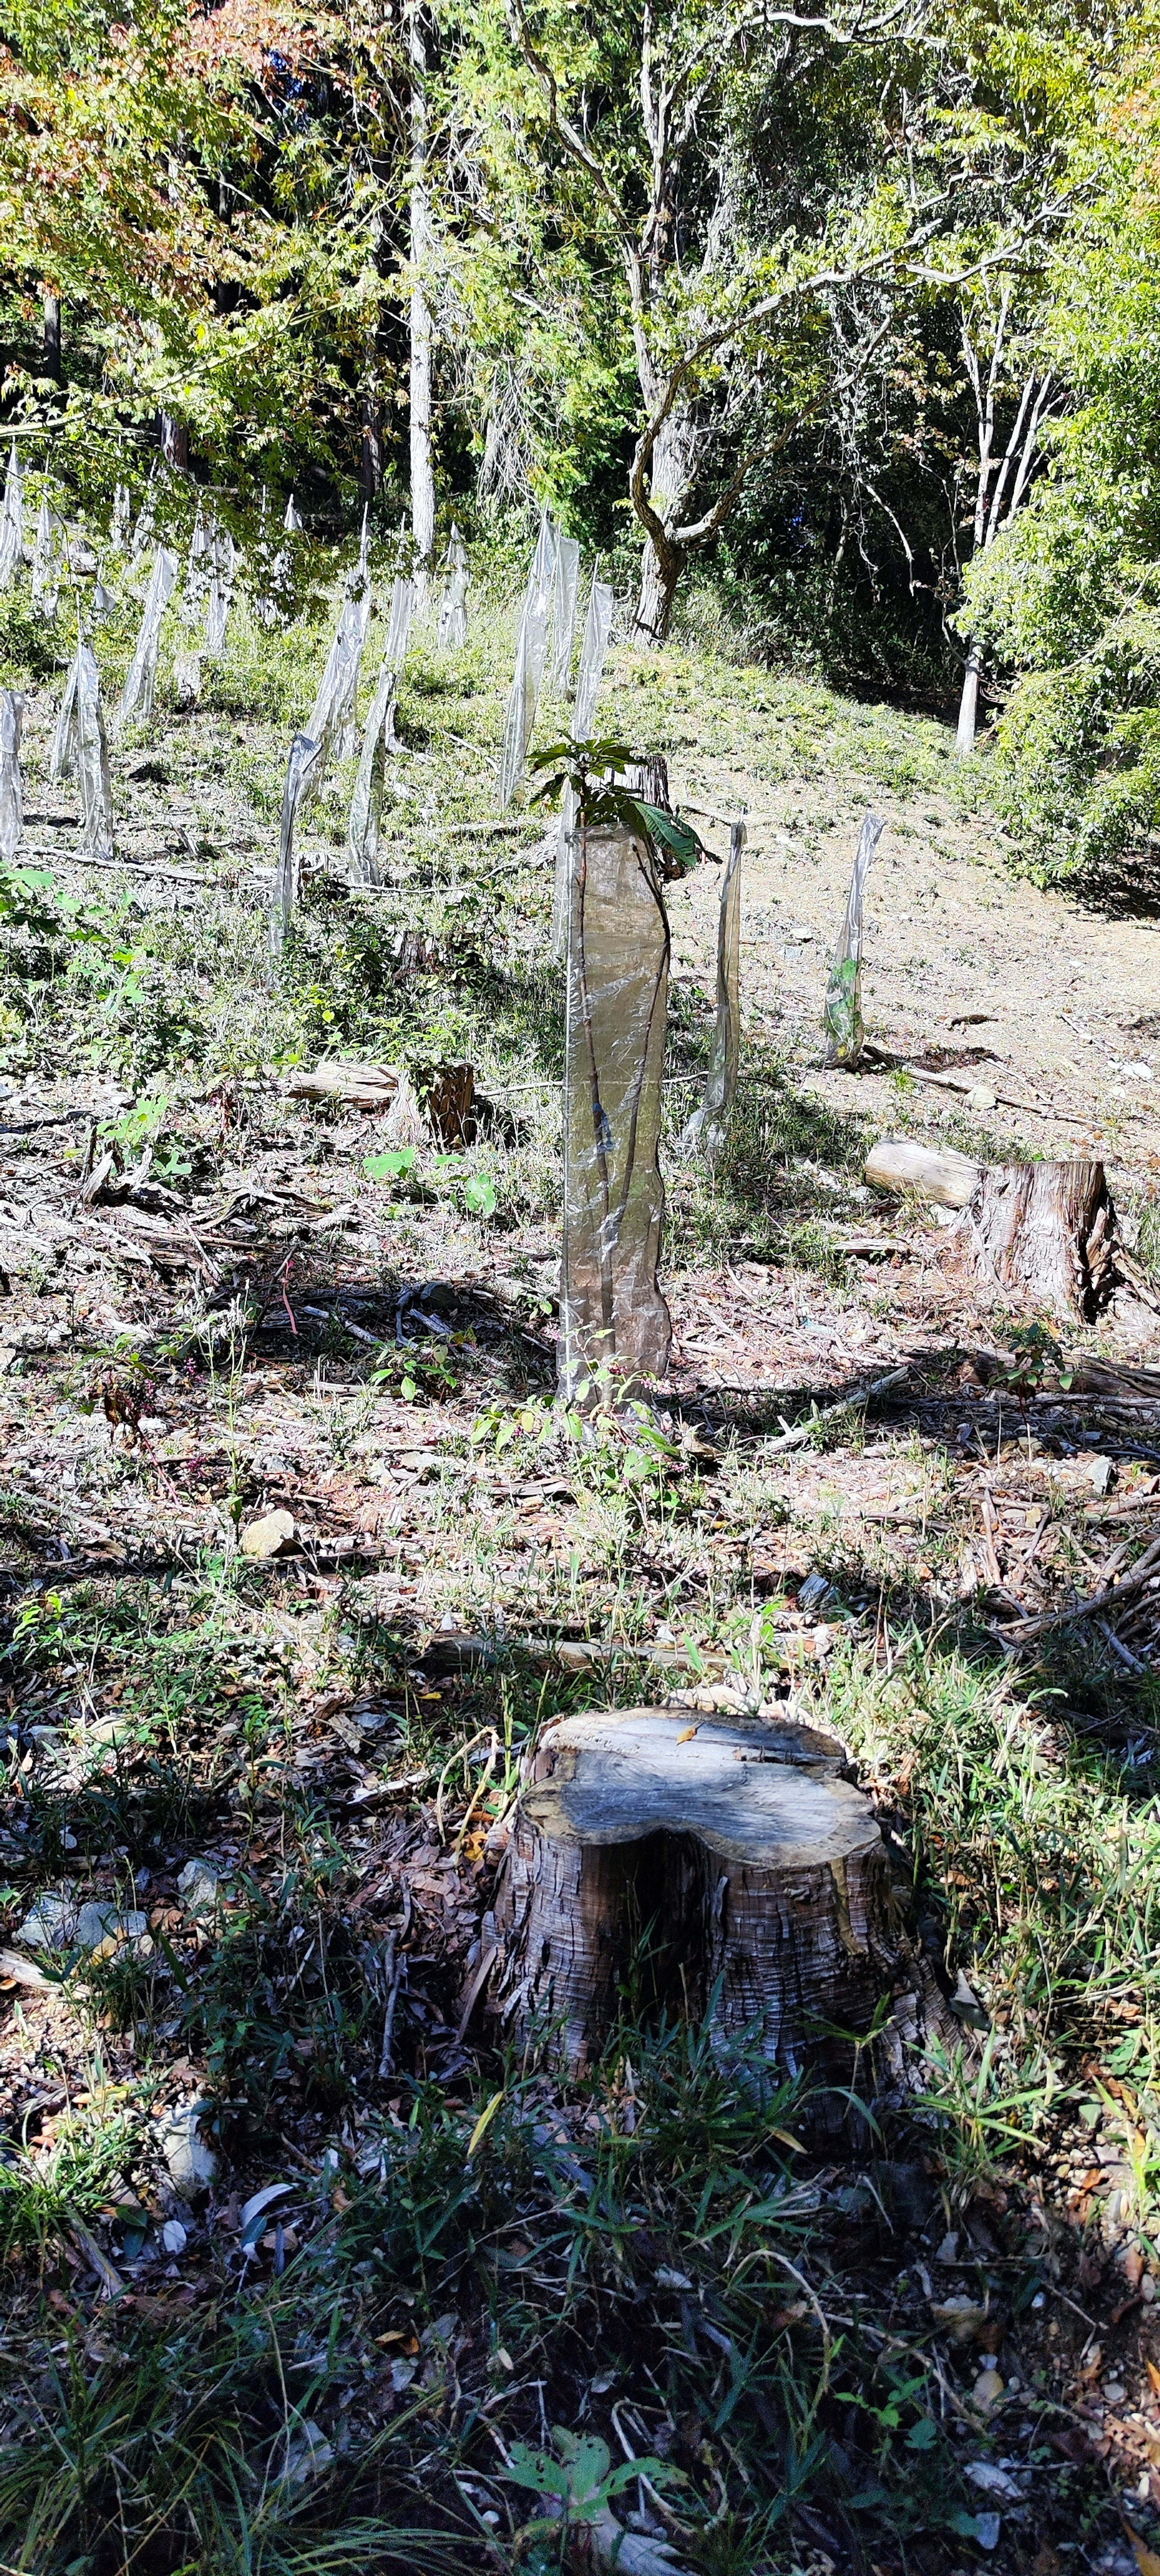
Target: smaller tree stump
(1049,1229)
(1045,1229)
(759,1874)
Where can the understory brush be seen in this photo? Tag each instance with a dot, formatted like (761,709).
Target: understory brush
(1035,1851)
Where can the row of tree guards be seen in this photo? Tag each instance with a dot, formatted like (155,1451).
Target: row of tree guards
(613,855)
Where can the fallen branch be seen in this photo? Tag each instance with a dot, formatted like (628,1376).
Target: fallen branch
(1109,1599)
(863,1394)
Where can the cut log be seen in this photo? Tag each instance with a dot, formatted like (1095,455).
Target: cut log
(360,1086)
(896,1163)
(757,1872)
(1047,1230)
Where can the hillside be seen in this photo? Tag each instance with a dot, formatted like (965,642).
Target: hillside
(928,2344)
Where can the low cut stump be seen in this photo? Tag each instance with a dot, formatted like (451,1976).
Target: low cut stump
(760,1870)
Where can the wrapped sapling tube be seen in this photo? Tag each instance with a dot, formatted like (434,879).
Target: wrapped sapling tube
(593,648)
(842,1018)
(12,521)
(333,711)
(452,628)
(566,580)
(709,1123)
(531,660)
(301,768)
(615,1327)
(223,558)
(362,839)
(136,699)
(11,787)
(92,757)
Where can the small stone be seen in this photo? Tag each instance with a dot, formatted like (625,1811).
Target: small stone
(987,2529)
(192,2163)
(1099,1473)
(51,1924)
(197,1886)
(981,1096)
(988,2388)
(1115,2391)
(174,2236)
(271,1536)
(1148,2289)
(948,2251)
(99,1923)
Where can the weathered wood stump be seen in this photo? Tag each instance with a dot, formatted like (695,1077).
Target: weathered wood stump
(1047,1230)
(757,1872)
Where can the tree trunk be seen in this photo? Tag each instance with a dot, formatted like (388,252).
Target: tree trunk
(1049,1229)
(53,365)
(670,482)
(421,330)
(371,455)
(760,1871)
(175,443)
(968,705)
(658,590)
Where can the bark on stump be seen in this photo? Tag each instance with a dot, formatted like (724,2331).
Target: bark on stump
(1050,1229)
(761,1871)
(1046,1229)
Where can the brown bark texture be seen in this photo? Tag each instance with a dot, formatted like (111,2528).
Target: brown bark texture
(1050,1230)
(759,1872)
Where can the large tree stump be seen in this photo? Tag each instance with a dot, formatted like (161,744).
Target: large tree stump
(761,1872)
(1047,1230)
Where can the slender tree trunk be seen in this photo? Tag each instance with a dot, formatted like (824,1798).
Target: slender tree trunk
(52,350)
(658,590)
(663,561)
(371,458)
(968,704)
(175,442)
(422,334)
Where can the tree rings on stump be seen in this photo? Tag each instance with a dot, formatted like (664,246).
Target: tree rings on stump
(758,1873)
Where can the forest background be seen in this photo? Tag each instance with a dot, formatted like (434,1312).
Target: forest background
(843,327)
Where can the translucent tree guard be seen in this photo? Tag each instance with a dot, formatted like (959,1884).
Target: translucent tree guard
(452,627)
(292,523)
(136,699)
(122,513)
(399,626)
(143,532)
(223,557)
(12,520)
(615,1327)
(332,718)
(303,766)
(92,757)
(565,586)
(593,648)
(46,559)
(196,591)
(366,808)
(842,1017)
(62,759)
(708,1124)
(363,828)
(531,660)
(11,785)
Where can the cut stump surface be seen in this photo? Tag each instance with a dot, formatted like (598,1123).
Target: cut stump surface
(761,1872)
